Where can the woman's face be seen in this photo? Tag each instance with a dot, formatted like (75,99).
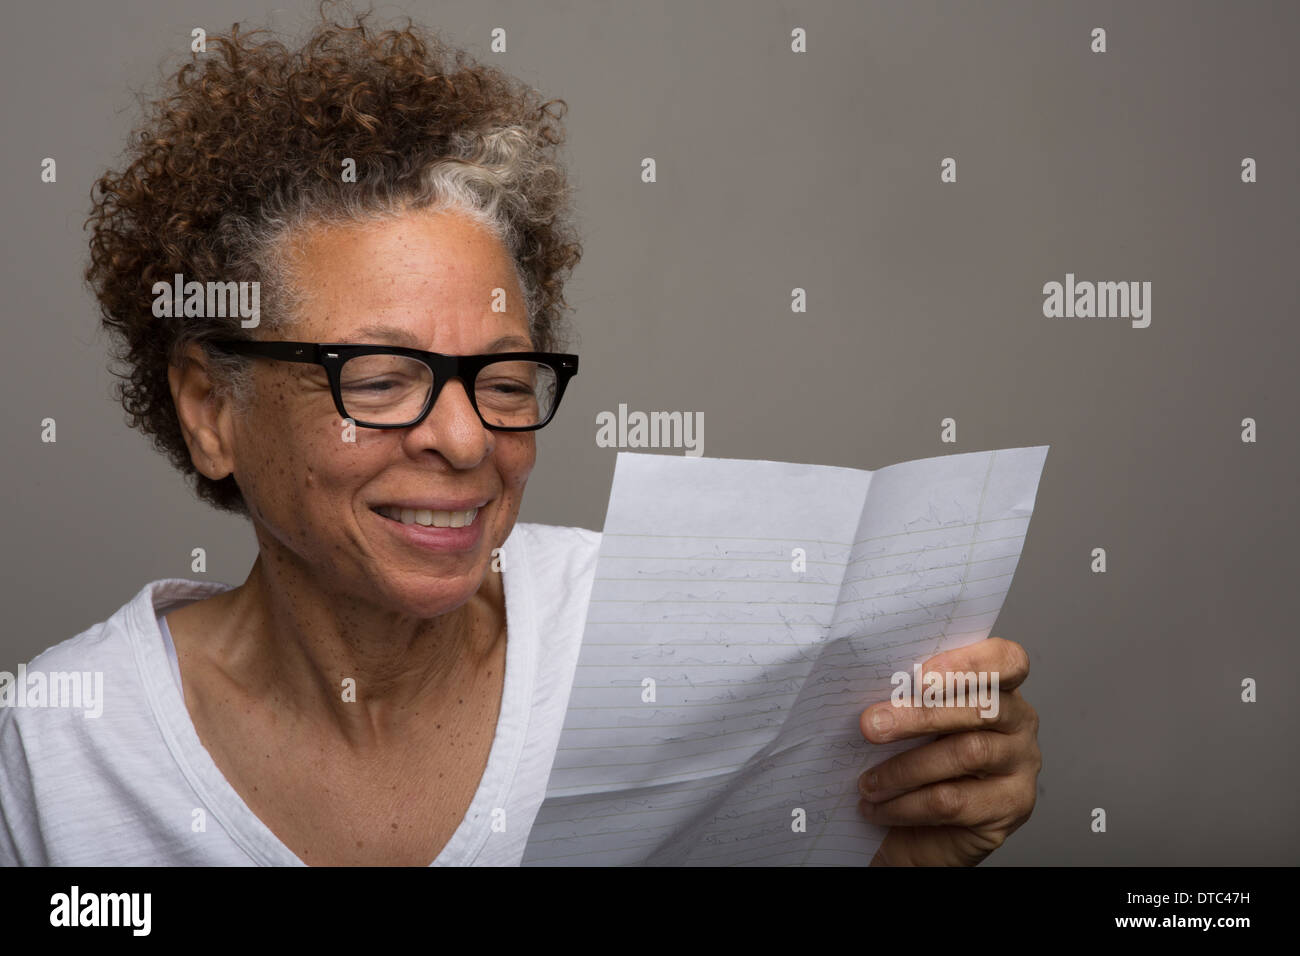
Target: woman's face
(425,280)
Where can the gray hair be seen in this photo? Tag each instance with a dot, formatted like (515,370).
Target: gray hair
(492,177)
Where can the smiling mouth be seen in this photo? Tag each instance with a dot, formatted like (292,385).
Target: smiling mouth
(428,519)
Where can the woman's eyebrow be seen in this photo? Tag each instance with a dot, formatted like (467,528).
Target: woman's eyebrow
(399,336)
(375,333)
(510,343)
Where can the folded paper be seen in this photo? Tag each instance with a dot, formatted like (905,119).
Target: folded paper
(743,615)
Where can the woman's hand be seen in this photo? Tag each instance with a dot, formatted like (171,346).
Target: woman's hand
(954,801)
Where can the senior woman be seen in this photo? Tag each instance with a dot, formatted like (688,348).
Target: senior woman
(389,682)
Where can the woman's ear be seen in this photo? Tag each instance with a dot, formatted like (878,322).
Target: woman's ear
(204,412)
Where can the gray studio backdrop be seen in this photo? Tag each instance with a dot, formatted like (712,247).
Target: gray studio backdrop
(821,171)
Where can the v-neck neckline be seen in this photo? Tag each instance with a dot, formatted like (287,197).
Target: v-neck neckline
(224,803)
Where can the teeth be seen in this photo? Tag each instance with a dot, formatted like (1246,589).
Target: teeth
(434,519)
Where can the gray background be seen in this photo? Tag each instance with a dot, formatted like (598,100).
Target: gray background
(821,170)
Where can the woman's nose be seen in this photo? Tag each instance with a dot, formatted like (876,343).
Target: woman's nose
(453,428)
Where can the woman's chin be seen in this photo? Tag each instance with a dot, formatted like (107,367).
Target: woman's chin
(430,597)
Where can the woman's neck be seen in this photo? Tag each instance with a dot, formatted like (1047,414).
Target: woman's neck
(346,663)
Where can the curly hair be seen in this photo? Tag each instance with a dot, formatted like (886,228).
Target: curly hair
(249,149)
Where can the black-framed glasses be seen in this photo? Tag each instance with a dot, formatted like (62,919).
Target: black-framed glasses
(389,386)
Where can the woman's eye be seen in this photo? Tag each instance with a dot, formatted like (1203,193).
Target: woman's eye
(505,387)
(379,385)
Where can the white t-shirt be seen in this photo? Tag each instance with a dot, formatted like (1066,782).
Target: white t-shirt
(131,786)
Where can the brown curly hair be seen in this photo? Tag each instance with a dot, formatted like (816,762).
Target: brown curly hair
(250,148)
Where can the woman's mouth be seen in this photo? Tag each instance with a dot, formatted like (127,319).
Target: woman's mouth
(458,531)
(427,518)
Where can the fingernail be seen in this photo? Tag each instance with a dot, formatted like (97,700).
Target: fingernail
(868,782)
(882,721)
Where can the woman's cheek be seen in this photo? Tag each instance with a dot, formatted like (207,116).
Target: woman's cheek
(525,457)
(283,485)
(516,475)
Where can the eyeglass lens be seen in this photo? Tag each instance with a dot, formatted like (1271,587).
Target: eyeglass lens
(392,390)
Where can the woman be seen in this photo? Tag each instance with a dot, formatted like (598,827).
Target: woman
(360,699)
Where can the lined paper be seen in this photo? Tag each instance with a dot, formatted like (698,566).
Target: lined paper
(769,603)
